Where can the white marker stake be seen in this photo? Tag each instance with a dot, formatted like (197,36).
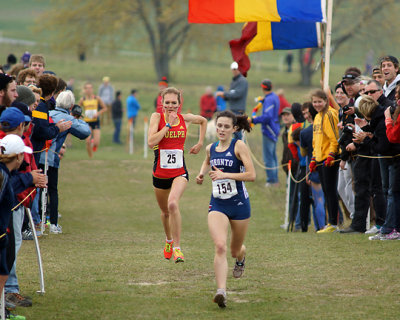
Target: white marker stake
(2,306)
(288,195)
(44,194)
(130,137)
(146,128)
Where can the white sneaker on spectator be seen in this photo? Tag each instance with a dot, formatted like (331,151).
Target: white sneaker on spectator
(373,230)
(55,229)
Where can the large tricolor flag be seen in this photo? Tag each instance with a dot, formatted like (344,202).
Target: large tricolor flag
(261,36)
(231,11)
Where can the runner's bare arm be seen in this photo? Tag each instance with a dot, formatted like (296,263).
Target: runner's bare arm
(205,167)
(80,103)
(155,136)
(103,107)
(196,119)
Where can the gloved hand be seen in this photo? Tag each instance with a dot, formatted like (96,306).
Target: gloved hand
(330,160)
(313,165)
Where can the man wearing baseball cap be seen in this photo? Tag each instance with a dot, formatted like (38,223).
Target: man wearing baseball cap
(12,119)
(237,94)
(12,150)
(270,131)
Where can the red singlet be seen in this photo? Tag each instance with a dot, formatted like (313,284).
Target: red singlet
(169,161)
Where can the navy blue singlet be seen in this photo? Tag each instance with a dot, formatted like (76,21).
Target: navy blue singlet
(229,196)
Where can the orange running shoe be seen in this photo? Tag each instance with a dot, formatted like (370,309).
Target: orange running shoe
(168,250)
(178,255)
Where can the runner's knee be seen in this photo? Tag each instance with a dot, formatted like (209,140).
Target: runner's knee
(173,205)
(220,248)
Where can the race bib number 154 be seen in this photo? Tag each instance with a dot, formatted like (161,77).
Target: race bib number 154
(224,188)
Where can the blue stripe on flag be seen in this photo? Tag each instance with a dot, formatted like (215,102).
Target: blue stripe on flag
(300,10)
(294,35)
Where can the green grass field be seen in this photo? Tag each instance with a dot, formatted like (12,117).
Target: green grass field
(108,263)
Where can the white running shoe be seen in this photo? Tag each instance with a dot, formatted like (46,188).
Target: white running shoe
(220,298)
(55,229)
(373,230)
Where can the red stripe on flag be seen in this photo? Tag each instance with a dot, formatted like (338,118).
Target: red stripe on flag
(238,47)
(211,11)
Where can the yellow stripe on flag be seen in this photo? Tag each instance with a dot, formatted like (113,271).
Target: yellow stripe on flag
(39,114)
(256,10)
(263,40)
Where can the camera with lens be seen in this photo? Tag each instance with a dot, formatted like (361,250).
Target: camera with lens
(346,136)
(76,111)
(346,108)
(393,109)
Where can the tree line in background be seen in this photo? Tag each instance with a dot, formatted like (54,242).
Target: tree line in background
(163,23)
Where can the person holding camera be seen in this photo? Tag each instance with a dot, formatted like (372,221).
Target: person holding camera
(369,142)
(351,88)
(393,124)
(374,137)
(80,129)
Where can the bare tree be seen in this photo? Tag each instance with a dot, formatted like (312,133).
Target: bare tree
(87,23)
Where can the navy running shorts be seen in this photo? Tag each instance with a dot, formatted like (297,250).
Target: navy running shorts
(234,209)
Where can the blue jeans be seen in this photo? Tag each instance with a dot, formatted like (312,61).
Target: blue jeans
(18,219)
(392,220)
(35,208)
(117,130)
(319,204)
(270,159)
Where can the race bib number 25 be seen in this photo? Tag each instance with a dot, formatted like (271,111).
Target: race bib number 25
(224,188)
(171,158)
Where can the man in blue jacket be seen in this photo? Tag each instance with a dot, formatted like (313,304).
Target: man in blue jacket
(270,130)
(42,128)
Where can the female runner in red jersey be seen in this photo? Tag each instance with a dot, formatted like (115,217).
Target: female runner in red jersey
(167,135)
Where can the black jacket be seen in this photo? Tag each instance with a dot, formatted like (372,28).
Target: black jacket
(379,143)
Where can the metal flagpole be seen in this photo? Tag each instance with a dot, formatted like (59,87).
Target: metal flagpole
(44,193)
(328,43)
(39,256)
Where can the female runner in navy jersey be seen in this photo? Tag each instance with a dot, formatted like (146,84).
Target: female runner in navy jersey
(167,135)
(231,165)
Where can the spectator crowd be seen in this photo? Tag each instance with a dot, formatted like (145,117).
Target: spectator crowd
(343,146)
(37,112)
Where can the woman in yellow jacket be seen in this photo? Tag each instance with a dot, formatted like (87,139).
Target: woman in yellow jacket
(325,151)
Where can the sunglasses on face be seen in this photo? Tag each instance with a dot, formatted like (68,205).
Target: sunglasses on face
(371,91)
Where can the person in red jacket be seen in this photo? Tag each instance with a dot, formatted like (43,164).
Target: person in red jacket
(393,124)
(208,104)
